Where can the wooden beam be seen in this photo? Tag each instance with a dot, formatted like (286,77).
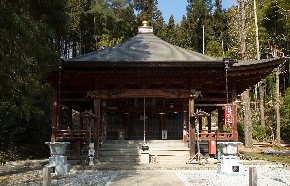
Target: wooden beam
(209,123)
(135,93)
(210,105)
(97,108)
(191,127)
(235,116)
(54,120)
(211,99)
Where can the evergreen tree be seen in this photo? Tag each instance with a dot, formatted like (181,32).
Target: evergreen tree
(159,27)
(27,48)
(217,42)
(169,31)
(198,15)
(147,11)
(277,24)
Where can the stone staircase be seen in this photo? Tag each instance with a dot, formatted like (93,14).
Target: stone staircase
(128,151)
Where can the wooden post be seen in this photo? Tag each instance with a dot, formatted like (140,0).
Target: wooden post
(253,179)
(191,127)
(277,109)
(162,123)
(126,121)
(78,149)
(54,120)
(46,176)
(200,124)
(220,119)
(97,108)
(81,123)
(235,116)
(209,123)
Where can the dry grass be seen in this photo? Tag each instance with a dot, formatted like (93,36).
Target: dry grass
(256,153)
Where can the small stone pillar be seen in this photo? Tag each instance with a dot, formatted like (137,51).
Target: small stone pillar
(145,155)
(58,158)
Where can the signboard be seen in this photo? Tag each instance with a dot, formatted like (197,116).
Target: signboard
(145,30)
(228,115)
(164,134)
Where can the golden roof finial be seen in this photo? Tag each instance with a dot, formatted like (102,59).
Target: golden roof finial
(145,23)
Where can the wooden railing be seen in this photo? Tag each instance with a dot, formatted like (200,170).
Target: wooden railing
(213,135)
(73,135)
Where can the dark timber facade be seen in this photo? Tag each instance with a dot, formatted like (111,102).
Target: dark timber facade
(147,75)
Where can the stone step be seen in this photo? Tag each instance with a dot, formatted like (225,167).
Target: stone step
(168,148)
(124,158)
(116,153)
(163,151)
(169,153)
(141,141)
(119,145)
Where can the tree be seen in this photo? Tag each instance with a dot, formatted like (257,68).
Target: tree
(198,14)
(147,11)
(169,31)
(159,27)
(182,34)
(216,45)
(27,48)
(277,25)
(285,120)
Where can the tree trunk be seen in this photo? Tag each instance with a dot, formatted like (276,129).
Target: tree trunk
(260,85)
(257,32)
(247,119)
(243,30)
(277,110)
(246,94)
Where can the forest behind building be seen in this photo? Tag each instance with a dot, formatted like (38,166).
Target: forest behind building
(35,35)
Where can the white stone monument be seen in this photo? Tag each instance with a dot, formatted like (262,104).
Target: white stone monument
(229,160)
(58,160)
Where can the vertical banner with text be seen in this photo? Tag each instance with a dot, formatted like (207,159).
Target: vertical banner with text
(228,115)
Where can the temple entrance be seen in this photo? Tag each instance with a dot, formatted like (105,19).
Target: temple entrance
(127,115)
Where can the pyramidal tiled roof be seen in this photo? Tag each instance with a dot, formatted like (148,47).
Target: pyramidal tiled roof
(144,47)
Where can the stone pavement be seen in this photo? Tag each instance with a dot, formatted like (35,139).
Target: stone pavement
(146,178)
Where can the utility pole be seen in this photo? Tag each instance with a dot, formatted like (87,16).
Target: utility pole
(203,38)
(277,109)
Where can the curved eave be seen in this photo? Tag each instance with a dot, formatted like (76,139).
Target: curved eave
(246,74)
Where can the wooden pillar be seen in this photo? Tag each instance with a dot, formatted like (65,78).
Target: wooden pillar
(200,124)
(70,118)
(54,120)
(191,127)
(234,116)
(126,121)
(81,123)
(78,148)
(209,123)
(162,122)
(220,119)
(97,108)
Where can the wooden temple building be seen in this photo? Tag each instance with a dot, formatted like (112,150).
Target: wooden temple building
(114,89)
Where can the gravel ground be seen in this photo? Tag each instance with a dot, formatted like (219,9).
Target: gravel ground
(277,176)
(267,176)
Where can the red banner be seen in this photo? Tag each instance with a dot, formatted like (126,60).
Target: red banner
(228,115)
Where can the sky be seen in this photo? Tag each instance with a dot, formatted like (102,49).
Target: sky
(177,8)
